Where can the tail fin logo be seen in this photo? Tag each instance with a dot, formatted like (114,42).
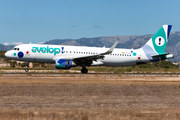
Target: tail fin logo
(159,41)
(157,44)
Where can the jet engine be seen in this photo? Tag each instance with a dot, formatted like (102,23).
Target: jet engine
(64,64)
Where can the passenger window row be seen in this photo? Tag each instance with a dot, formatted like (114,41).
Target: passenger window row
(76,52)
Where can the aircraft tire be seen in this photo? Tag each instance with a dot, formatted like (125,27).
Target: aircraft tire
(26,69)
(84,70)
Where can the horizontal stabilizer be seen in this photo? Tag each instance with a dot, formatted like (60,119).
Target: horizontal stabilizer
(167,55)
(159,55)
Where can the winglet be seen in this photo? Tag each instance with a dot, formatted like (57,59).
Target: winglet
(111,49)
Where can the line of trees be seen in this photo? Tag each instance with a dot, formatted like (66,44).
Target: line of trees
(159,64)
(2,54)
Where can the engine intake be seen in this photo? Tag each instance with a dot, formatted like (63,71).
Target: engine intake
(63,64)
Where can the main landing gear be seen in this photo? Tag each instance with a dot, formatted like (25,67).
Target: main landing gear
(27,67)
(84,70)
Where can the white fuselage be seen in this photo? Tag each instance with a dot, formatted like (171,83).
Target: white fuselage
(49,53)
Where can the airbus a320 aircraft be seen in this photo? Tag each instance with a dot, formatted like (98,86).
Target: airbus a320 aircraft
(66,57)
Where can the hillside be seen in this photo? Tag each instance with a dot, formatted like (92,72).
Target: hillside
(5,47)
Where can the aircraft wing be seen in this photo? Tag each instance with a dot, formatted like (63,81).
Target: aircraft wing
(111,49)
(88,59)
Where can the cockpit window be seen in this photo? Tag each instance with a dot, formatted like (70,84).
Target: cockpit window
(16,49)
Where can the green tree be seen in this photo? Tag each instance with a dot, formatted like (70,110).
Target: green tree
(13,63)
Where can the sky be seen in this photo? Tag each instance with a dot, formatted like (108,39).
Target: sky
(36,21)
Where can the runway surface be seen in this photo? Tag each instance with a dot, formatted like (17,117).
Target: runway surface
(91,74)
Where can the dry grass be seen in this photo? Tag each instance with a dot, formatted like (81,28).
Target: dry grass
(89,97)
(103,114)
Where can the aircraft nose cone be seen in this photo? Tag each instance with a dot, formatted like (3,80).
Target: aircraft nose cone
(7,54)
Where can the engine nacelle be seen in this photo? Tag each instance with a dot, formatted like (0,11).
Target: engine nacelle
(64,64)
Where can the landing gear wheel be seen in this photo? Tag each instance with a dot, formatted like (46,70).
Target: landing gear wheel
(84,70)
(26,69)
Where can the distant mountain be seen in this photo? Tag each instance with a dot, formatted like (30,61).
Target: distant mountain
(133,41)
(123,41)
(5,47)
(173,45)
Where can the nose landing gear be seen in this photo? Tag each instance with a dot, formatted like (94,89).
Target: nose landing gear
(27,67)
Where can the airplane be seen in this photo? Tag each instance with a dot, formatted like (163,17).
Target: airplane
(66,57)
